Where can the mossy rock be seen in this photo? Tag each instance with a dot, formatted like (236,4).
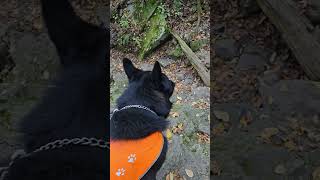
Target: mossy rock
(151,16)
(144,10)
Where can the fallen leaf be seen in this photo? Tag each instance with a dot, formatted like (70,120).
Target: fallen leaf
(178,128)
(169,134)
(216,168)
(203,137)
(290,145)
(189,172)
(200,104)
(316,173)
(224,116)
(246,119)
(267,133)
(175,114)
(280,169)
(218,129)
(270,100)
(173,176)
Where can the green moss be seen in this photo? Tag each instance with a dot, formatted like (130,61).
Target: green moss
(177,6)
(197,44)
(144,10)
(156,32)
(189,139)
(177,52)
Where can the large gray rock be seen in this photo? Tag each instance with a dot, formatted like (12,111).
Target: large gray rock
(292,96)
(165,61)
(185,151)
(201,93)
(241,154)
(248,7)
(251,62)
(226,48)
(253,58)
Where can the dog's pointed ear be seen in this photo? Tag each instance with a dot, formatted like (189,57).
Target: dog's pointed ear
(156,72)
(129,68)
(73,37)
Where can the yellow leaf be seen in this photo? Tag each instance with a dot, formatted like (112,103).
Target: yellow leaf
(169,134)
(175,114)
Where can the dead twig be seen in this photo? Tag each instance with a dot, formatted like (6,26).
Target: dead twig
(195,61)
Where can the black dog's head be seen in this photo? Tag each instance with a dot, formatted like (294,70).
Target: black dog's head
(152,89)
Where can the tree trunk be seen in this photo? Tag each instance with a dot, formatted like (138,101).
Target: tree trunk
(295,29)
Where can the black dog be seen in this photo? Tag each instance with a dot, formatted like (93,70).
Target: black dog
(150,90)
(76,107)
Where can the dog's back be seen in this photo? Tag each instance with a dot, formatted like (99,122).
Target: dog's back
(75,107)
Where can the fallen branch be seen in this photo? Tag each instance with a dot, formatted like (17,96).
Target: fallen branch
(195,61)
(295,30)
(199,12)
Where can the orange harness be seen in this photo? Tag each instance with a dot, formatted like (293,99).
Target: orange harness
(132,159)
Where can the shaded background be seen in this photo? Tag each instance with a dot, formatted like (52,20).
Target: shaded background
(28,61)
(265,108)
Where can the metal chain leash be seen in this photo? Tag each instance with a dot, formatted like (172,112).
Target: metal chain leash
(93,142)
(131,106)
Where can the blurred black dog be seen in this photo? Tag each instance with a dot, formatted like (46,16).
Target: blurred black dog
(75,108)
(141,111)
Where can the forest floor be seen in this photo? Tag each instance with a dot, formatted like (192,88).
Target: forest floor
(265,122)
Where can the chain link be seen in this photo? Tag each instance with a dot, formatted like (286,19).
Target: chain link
(131,106)
(93,142)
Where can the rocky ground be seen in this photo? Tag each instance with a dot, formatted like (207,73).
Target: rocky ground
(265,110)
(188,133)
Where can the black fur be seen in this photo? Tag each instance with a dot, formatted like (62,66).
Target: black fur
(76,106)
(151,89)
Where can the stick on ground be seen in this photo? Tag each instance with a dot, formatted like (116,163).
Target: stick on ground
(295,28)
(195,61)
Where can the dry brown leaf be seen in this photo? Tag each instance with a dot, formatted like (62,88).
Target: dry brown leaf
(267,133)
(216,168)
(224,116)
(218,129)
(246,119)
(291,145)
(178,128)
(203,137)
(174,114)
(316,173)
(173,176)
